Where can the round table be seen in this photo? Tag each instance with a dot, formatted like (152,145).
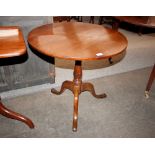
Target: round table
(77,41)
(12,45)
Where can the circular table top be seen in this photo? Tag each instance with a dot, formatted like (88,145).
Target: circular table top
(77,41)
(146,21)
(11,42)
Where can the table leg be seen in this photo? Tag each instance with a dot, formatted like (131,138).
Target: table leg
(77,81)
(89,87)
(100,20)
(140,31)
(115,25)
(149,84)
(13,115)
(65,85)
(91,20)
(77,86)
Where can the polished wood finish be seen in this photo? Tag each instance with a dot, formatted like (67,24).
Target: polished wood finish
(12,46)
(150,82)
(40,68)
(77,41)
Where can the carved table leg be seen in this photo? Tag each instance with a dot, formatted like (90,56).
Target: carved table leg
(149,84)
(89,87)
(76,90)
(77,86)
(13,115)
(65,85)
(75,114)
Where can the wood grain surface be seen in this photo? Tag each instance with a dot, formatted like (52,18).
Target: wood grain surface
(11,45)
(77,41)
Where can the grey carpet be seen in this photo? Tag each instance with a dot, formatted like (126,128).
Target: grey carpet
(124,113)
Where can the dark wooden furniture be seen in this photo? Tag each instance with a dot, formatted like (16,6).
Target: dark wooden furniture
(12,45)
(150,82)
(77,18)
(141,21)
(77,41)
(61,18)
(66,18)
(40,69)
(101,20)
(91,20)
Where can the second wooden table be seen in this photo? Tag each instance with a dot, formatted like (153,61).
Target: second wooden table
(12,45)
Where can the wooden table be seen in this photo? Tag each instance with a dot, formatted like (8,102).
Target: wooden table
(12,45)
(77,41)
(141,21)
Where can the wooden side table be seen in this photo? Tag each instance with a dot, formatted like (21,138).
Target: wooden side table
(77,41)
(11,45)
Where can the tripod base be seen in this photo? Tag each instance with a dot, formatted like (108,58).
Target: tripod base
(77,87)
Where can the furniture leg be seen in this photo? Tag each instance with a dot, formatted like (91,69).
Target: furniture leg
(76,90)
(91,20)
(65,85)
(89,87)
(75,113)
(115,24)
(149,84)
(13,115)
(100,20)
(140,31)
(80,19)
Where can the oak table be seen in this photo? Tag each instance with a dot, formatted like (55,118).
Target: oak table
(12,45)
(77,41)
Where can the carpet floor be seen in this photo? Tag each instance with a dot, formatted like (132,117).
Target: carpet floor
(124,113)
